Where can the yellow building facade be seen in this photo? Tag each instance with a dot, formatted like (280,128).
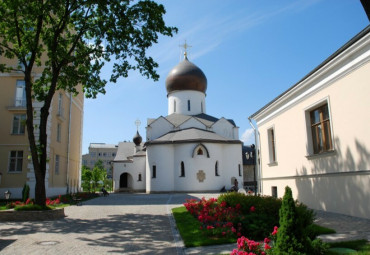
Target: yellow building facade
(64,132)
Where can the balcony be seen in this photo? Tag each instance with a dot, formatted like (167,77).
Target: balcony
(17,104)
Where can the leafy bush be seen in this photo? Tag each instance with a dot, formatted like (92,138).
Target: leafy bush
(32,207)
(25,192)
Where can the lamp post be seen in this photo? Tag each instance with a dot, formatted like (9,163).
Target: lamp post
(7,195)
(253,156)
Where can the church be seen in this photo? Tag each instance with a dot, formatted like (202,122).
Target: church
(185,151)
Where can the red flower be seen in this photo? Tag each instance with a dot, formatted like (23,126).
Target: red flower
(252,209)
(267,240)
(267,247)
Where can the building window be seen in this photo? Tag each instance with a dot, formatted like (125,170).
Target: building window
(239,170)
(57,164)
(19,123)
(320,129)
(182,169)
(174,105)
(189,105)
(113,154)
(139,178)
(93,154)
(200,151)
(274,191)
(154,173)
(104,154)
(60,104)
(59,132)
(216,169)
(99,154)
(16,161)
(20,94)
(272,145)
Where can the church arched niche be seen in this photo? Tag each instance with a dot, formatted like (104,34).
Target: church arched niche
(125,181)
(200,150)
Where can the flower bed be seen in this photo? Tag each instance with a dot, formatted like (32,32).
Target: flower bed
(234,214)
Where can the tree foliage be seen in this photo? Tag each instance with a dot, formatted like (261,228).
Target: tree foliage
(290,239)
(69,41)
(86,177)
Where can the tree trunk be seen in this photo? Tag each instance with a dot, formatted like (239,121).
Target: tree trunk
(40,191)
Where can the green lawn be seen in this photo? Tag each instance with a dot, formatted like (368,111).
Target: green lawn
(361,246)
(189,229)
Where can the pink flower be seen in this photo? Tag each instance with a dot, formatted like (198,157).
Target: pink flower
(233,229)
(275,231)
(267,240)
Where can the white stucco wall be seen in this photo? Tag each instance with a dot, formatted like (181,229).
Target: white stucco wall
(197,102)
(134,168)
(337,181)
(224,128)
(168,158)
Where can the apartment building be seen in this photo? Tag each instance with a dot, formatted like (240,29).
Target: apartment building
(64,138)
(100,151)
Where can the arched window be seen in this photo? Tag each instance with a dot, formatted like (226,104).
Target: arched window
(201,107)
(174,105)
(240,171)
(200,151)
(139,178)
(216,169)
(189,105)
(182,169)
(154,173)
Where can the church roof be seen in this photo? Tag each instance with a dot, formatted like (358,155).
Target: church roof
(125,150)
(207,120)
(191,135)
(186,76)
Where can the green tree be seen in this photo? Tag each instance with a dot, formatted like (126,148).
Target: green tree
(86,177)
(290,237)
(71,40)
(98,174)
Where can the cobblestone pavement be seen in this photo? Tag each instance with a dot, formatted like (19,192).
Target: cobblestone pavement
(117,224)
(346,227)
(132,224)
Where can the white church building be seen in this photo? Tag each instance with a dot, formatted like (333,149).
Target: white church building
(186,151)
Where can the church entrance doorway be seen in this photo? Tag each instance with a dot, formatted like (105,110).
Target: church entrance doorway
(123,181)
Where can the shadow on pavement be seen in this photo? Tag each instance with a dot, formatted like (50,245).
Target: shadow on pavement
(118,233)
(145,199)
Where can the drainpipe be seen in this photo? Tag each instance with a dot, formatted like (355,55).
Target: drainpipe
(69,138)
(257,156)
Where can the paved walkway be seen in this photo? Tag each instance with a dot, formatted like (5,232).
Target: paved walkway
(131,224)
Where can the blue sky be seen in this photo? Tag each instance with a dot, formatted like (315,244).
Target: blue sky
(250,51)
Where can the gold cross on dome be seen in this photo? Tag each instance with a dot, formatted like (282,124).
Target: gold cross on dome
(137,123)
(185,46)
